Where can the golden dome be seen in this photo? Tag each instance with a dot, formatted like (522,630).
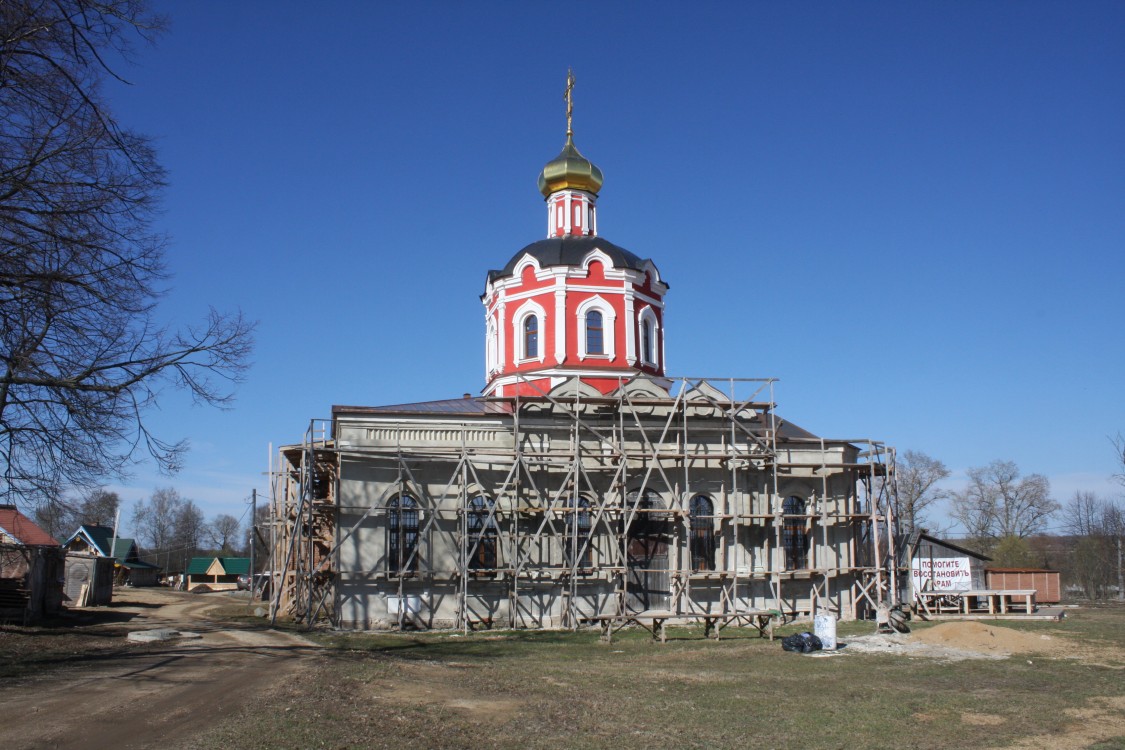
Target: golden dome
(570,169)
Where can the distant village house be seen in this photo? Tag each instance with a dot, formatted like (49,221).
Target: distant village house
(128,567)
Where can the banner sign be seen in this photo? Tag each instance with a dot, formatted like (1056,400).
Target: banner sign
(941,574)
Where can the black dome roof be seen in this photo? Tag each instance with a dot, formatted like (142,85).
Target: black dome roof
(569,251)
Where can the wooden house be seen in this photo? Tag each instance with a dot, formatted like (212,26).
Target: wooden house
(99,541)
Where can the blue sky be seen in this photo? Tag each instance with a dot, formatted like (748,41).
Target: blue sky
(911,214)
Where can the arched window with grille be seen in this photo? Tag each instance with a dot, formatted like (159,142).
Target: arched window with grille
(578,522)
(531,337)
(402,535)
(794,534)
(702,513)
(483,534)
(595,332)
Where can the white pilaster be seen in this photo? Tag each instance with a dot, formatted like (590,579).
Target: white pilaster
(502,329)
(630,327)
(560,319)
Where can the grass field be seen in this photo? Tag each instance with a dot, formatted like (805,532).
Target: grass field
(568,690)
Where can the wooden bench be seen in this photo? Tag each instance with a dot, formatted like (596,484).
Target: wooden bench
(999,601)
(976,601)
(654,622)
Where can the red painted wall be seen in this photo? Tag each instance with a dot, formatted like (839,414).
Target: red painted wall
(579,290)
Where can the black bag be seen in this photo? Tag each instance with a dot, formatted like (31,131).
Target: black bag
(802,643)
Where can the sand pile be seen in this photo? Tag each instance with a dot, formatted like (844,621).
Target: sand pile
(900,644)
(976,636)
(956,641)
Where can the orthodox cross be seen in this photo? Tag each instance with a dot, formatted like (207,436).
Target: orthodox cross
(569,101)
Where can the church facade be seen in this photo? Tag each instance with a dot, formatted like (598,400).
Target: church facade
(585,484)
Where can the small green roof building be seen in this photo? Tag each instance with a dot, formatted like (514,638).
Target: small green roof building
(216,573)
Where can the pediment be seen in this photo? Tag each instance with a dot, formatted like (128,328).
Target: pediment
(705,400)
(642,387)
(574,388)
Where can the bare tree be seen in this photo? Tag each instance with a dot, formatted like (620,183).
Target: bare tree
(81,267)
(1082,515)
(98,508)
(154,522)
(1095,524)
(1118,442)
(62,516)
(187,533)
(999,503)
(56,516)
(223,532)
(916,476)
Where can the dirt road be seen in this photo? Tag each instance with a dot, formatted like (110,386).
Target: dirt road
(152,695)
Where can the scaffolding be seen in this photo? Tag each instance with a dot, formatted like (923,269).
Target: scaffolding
(619,472)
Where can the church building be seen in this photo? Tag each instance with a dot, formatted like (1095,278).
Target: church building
(585,485)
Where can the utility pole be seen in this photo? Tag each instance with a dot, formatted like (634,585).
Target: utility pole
(117,522)
(253,529)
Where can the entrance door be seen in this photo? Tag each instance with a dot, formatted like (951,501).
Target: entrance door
(648,583)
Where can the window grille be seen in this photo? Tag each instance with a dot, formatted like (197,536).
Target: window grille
(483,534)
(402,535)
(794,535)
(578,523)
(702,514)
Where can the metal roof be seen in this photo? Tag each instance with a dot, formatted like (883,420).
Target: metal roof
(473,406)
(570,251)
(230,565)
(22,529)
(138,565)
(97,537)
(924,537)
(787,429)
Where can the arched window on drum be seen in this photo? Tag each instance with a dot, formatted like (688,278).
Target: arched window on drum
(595,332)
(531,337)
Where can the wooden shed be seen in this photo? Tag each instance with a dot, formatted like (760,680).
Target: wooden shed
(31,568)
(89,580)
(1045,582)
